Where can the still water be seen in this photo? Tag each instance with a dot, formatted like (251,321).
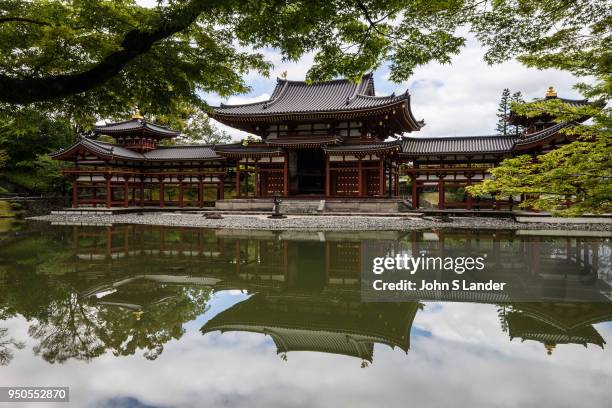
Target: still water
(142,316)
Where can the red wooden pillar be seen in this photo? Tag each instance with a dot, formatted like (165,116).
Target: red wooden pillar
(109,192)
(141,192)
(397,185)
(126,194)
(359,178)
(286,177)
(238,180)
(257,192)
(415,192)
(181,198)
(161,193)
(381,177)
(327,177)
(95,194)
(200,193)
(75,192)
(221,190)
(441,193)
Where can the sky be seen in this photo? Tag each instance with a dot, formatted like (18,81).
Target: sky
(460,98)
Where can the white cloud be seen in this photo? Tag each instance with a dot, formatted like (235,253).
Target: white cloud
(456,99)
(461,98)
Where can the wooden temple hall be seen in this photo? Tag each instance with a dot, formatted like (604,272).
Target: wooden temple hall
(334,140)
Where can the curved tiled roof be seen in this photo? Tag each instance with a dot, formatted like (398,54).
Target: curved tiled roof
(135,125)
(574,103)
(340,96)
(416,146)
(239,150)
(460,144)
(364,148)
(304,142)
(543,134)
(195,152)
(110,150)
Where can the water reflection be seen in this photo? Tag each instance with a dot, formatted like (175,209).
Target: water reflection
(90,291)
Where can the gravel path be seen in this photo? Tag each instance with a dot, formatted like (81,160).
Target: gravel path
(318,223)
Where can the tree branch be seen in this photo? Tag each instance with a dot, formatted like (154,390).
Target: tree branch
(23,20)
(135,42)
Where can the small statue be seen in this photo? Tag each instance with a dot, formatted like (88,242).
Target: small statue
(276,214)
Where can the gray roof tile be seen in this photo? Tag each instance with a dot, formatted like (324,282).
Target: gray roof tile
(462,144)
(195,152)
(301,97)
(130,126)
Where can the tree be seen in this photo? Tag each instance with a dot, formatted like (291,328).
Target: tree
(88,51)
(6,346)
(503,113)
(195,126)
(579,173)
(572,36)
(515,100)
(4,157)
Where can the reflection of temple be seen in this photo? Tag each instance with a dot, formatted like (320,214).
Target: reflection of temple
(554,324)
(305,286)
(320,323)
(546,268)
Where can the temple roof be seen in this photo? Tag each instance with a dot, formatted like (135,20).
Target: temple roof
(163,153)
(458,145)
(516,119)
(492,144)
(253,149)
(365,148)
(321,324)
(340,98)
(529,328)
(135,126)
(305,142)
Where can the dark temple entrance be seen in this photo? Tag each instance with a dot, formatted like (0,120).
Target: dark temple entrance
(311,171)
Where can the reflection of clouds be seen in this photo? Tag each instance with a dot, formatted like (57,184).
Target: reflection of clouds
(467,361)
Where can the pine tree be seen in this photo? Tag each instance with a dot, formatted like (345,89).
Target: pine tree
(503,112)
(516,98)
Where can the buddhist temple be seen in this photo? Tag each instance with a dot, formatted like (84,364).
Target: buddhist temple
(334,140)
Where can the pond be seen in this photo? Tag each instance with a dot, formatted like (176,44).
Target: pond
(146,316)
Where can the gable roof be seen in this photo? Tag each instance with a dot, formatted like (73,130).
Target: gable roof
(340,98)
(164,153)
(492,144)
(135,126)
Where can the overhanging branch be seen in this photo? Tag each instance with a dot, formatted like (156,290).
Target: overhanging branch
(135,42)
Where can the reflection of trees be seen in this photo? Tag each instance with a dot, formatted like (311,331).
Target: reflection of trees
(6,346)
(81,329)
(152,326)
(69,331)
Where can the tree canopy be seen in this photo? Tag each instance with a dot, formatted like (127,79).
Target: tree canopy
(110,52)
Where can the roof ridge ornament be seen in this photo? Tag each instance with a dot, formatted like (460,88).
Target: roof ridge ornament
(551,93)
(137,114)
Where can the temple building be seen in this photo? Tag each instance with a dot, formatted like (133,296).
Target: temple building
(334,140)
